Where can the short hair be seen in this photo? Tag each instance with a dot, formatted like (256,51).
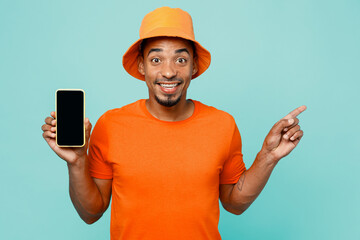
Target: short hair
(143,44)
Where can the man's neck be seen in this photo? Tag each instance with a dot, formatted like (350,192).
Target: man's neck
(181,111)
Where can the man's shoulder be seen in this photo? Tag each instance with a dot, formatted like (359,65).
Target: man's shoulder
(124,111)
(214,113)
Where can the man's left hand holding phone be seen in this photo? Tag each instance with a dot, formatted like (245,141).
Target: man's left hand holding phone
(67,131)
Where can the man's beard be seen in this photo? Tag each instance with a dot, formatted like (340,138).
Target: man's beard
(168,102)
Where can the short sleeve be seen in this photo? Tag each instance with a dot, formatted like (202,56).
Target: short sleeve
(99,166)
(234,165)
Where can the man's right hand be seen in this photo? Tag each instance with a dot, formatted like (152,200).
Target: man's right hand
(69,154)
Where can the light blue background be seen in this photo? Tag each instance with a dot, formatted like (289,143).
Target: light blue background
(268,57)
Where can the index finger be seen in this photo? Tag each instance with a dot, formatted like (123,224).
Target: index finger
(295,112)
(49,120)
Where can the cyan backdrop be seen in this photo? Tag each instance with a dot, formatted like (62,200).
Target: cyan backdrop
(268,57)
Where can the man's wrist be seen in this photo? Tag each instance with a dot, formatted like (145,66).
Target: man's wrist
(267,158)
(77,164)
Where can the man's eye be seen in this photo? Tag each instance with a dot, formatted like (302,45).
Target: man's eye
(155,60)
(181,60)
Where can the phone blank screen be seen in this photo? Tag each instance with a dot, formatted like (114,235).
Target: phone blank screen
(70,117)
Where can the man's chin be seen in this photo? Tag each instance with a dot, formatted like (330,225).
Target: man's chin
(168,101)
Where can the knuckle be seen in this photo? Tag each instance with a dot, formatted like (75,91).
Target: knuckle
(296,121)
(283,122)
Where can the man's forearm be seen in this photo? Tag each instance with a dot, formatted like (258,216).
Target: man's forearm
(251,183)
(84,193)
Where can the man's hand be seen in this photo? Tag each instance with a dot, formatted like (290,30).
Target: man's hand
(283,136)
(69,154)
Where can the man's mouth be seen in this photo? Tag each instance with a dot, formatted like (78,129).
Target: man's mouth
(168,87)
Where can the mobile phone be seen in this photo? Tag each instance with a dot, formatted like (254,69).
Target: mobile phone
(70,117)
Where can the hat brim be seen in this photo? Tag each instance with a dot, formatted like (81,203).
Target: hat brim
(130,63)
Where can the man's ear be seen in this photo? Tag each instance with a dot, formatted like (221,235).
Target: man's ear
(195,66)
(140,63)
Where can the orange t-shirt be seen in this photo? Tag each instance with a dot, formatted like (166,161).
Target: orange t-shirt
(166,175)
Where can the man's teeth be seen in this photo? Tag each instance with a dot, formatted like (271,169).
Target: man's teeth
(168,85)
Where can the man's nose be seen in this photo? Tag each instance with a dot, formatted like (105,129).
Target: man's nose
(168,70)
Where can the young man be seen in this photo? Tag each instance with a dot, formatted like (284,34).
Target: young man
(166,160)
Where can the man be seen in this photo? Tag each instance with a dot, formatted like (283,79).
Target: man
(166,160)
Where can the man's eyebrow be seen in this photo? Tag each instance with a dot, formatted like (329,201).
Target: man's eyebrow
(176,51)
(182,50)
(154,50)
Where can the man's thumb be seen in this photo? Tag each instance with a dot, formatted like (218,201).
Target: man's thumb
(88,127)
(283,123)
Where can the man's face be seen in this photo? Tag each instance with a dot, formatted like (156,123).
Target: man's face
(168,65)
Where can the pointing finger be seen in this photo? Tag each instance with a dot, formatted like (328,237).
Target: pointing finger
(295,112)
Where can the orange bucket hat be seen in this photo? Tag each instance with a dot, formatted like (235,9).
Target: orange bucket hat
(169,22)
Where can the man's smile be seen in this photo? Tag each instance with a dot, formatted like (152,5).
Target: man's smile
(169,87)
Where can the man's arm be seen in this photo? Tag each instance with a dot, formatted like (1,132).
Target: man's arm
(90,196)
(236,198)
(281,140)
